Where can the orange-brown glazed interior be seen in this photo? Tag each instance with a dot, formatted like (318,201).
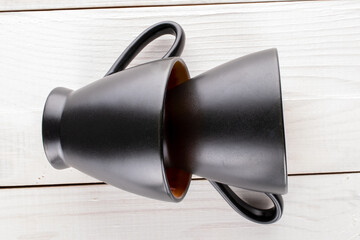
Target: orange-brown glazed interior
(178,179)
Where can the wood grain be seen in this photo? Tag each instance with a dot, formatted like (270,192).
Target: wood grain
(316,207)
(318,43)
(24,5)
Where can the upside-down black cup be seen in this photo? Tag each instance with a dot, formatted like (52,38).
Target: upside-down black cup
(146,129)
(226,125)
(112,129)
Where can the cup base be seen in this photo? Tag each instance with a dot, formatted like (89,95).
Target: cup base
(53,110)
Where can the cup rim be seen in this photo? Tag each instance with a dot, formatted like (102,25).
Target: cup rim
(175,60)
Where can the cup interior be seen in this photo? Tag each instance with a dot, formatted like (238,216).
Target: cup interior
(178,179)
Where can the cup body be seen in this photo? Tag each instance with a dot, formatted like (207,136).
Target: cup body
(112,129)
(229,125)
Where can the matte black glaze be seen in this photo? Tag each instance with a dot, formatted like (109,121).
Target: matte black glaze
(112,129)
(228,126)
(263,216)
(147,36)
(225,125)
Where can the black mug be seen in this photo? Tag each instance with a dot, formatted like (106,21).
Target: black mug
(146,129)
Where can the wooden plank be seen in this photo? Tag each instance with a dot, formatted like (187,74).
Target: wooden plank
(24,5)
(322,135)
(319,48)
(316,207)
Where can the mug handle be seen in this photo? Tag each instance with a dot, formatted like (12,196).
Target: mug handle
(147,36)
(251,213)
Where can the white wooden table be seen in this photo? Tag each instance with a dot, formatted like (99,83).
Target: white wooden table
(45,44)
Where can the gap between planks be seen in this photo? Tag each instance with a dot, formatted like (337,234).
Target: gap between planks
(193,179)
(154,5)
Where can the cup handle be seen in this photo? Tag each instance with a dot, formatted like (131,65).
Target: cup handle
(254,214)
(147,36)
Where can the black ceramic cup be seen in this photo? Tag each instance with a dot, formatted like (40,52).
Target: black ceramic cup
(112,129)
(226,125)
